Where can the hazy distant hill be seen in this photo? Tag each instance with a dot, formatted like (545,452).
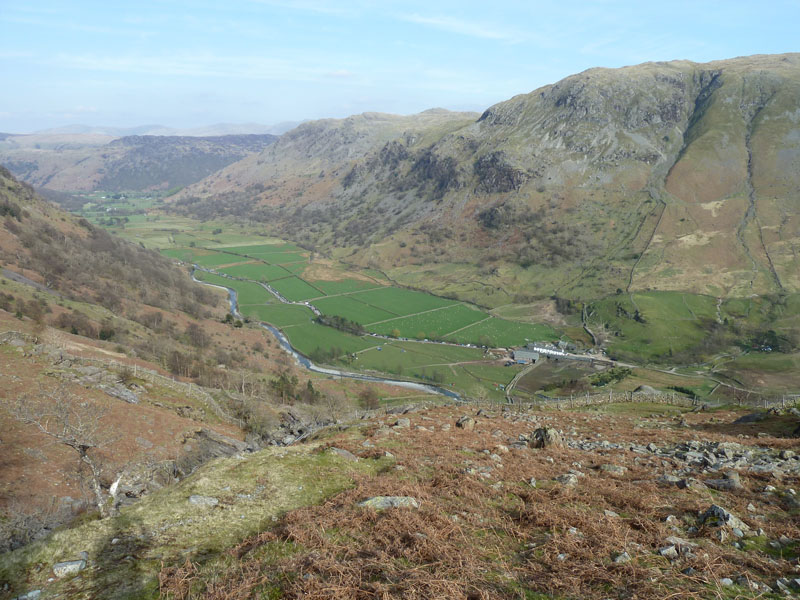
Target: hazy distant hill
(668,175)
(308,163)
(208,130)
(82,162)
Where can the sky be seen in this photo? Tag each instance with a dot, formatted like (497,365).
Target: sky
(189,63)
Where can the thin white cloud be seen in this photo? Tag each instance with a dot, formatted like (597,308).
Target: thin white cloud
(321,7)
(205,65)
(61,24)
(462,27)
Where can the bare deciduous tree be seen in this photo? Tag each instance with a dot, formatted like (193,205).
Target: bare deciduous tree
(72,422)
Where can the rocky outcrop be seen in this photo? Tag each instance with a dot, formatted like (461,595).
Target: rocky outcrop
(546,437)
(495,175)
(387,502)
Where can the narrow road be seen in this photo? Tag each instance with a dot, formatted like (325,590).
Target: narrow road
(519,376)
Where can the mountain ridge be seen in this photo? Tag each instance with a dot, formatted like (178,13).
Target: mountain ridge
(611,178)
(70,163)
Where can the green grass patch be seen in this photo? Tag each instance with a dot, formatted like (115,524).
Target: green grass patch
(352,309)
(666,323)
(250,248)
(279,258)
(401,301)
(164,528)
(279,315)
(184,254)
(772,362)
(311,337)
(296,268)
(501,333)
(397,357)
(256,272)
(214,260)
(247,292)
(295,289)
(345,286)
(433,325)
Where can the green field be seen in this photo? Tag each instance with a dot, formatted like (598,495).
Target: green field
(213,278)
(256,272)
(312,337)
(204,258)
(350,308)
(345,286)
(278,258)
(401,301)
(247,292)
(217,243)
(438,365)
(184,254)
(280,315)
(295,268)
(492,373)
(501,333)
(251,248)
(215,260)
(295,289)
(669,322)
(394,354)
(433,325)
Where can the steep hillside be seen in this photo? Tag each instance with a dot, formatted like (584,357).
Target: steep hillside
(74,162)
(82,262)
(116,346)
(308,163)
(631,500)
(671,175)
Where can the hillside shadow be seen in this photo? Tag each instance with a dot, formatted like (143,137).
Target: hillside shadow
(121,566)
(778,426)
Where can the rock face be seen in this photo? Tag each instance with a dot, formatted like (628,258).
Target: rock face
(345,454)
(751,418)
(70,567)
(716,516)
(615,470)
(568,479)
(645,389)
(203,501)
(121,392)
(546,437)
(466,423)
(387,502)
(730,482)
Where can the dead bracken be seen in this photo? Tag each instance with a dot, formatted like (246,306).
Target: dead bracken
(478,528)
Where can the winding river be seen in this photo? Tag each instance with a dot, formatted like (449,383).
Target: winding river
(304,361)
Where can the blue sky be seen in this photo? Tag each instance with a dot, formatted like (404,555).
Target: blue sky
(185,63)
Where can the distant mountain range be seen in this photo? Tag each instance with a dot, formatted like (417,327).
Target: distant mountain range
(207,131)
(79,162)
(667,175)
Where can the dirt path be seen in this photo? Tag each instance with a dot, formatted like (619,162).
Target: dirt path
(519,376)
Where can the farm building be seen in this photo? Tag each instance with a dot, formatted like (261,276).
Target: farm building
(525,356)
